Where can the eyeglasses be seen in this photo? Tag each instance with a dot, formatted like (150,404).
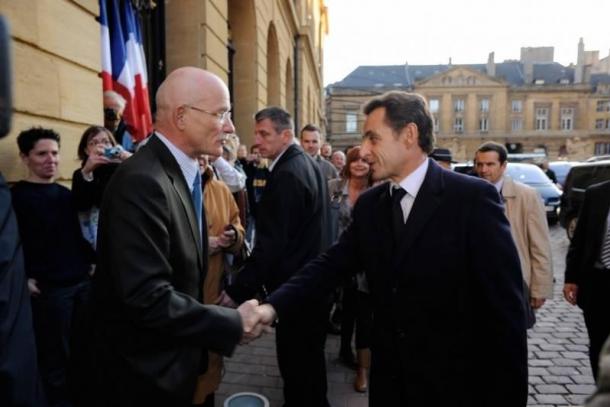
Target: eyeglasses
(99,141)
(223,116)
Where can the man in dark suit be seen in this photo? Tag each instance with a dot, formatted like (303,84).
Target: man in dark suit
(290,231)
(152,331)
(587,276)
(19,379)
(443,273)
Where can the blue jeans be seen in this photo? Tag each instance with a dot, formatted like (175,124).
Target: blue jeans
(55,311)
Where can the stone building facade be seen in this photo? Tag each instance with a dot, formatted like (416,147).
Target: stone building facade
(270,52)
(532,104)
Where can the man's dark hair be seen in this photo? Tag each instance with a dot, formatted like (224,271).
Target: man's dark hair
(280,118)
(402,108)
(311,127)
(493,146)
(28,138)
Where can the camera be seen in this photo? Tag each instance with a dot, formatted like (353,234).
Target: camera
(110,114)
(113,152)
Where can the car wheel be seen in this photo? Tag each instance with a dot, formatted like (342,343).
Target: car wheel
(571,227)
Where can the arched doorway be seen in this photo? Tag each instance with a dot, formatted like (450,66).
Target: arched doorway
(242,33)
(273,68)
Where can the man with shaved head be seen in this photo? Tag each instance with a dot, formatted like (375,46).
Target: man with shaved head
(151,331)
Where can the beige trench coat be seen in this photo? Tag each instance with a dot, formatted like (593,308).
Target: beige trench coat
(528,225)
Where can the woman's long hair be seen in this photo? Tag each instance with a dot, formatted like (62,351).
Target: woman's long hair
(352,155)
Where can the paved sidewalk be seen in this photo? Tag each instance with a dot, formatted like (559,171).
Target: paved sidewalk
(558,362)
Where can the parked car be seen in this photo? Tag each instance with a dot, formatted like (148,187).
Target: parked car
(579,178)
(561,169)
(598,158)
(532,175)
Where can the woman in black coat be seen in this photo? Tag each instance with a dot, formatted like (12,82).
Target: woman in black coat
(100,155)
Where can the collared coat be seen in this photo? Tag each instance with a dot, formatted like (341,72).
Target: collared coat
(151,330)
(530,231)
(447,297)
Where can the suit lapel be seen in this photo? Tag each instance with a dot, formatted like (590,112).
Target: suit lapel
(385,226)
(427,201)
(176,177)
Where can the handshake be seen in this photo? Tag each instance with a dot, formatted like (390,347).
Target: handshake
(256,318)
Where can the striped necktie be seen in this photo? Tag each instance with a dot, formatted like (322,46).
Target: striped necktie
(605,253)
(197,198)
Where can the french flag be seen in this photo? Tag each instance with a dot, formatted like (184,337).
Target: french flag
(123,64)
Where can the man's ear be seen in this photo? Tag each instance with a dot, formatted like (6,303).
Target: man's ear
(287,136)
(411,133)
(178,116)
(24,158)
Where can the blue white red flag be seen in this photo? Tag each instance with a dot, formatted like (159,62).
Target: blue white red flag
(123,64)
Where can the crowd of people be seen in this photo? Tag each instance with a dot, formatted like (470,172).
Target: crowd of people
(164,256)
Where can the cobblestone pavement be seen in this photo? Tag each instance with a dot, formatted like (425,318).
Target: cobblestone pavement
(558,361)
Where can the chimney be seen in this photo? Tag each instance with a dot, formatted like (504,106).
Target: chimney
(528,72)
(579,71)
(491,65)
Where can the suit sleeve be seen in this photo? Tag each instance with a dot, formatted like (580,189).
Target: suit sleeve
(541,280)
(576,250)
(320,276)
(498,294)
(273,229)
(138,239)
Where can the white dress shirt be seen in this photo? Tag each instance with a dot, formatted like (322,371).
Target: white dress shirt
(411,183)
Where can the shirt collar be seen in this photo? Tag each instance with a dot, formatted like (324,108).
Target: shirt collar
(274,162)
(413,182)
(499,185)
(189,166)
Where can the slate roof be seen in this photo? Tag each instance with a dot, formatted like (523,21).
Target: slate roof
(401,76)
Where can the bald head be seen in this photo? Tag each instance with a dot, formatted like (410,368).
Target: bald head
(186,86)
(190,102)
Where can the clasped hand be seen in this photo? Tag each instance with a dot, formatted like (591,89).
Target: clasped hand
(256,319)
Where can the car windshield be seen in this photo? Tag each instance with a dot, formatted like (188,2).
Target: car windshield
(528,174)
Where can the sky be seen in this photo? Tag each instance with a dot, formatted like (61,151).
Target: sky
(427,32)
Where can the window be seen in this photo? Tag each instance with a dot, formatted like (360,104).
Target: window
(542,119)
(436,123)
(351,122)
(484,105)
(458,105)
(517,106)
(484,124)
(600,124)
(602,148)
(458,125)
(434,105)
(567,118)
(603,105)
(516,124)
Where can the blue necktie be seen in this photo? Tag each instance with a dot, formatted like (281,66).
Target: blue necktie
(197,199)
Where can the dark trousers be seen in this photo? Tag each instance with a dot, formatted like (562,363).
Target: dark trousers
(596,314)
(356,311)
(54,311)
(300,354)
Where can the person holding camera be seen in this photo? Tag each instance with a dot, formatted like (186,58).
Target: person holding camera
(100,155)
